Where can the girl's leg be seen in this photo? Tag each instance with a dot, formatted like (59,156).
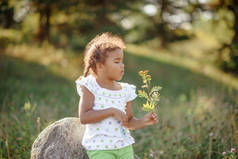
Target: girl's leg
(101,154)
(126,152)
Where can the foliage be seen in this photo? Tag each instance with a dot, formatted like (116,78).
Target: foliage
(151,95)
(34,95)
(232,154)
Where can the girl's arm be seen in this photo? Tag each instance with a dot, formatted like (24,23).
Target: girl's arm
(134,123)
(88,115)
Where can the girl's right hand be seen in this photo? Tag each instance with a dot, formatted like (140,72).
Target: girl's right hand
(119,115)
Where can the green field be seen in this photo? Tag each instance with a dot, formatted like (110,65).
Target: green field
(197,113)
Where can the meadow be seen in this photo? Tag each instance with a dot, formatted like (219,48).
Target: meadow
(197,112)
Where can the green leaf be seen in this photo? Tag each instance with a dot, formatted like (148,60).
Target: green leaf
(155,89)
(142,94)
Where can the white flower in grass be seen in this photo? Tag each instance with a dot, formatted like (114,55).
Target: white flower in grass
(211,134)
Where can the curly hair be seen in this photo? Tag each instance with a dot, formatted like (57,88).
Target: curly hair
(97,50)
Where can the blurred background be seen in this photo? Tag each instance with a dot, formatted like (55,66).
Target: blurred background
(190,48)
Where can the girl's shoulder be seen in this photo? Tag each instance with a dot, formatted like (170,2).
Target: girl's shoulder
(127,85)
(130,91)
(83,79)
(87,82)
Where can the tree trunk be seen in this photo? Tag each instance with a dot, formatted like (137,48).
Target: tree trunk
(43,32)
(233,51)
(47,24)
(163,24)
(233,7)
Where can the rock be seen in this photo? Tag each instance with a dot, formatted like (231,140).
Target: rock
(61,140)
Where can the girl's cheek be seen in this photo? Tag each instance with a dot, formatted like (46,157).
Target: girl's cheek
(115,65)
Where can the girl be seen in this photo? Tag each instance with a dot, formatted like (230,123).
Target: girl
(105,104)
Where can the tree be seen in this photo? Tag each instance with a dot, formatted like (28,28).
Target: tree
(6,14)
(46,9)
(230,64)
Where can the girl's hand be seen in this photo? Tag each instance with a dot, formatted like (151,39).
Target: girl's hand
(119,115)
(150,118)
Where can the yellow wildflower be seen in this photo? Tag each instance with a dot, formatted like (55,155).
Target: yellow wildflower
(148,106)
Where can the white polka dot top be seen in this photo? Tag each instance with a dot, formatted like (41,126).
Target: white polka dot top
(109,133)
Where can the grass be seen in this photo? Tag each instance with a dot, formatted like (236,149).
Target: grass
(30,93)
(192,107)
(197,117)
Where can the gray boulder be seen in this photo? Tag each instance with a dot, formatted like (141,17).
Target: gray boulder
(61,140)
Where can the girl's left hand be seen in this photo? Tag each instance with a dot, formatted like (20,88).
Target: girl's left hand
(150,118)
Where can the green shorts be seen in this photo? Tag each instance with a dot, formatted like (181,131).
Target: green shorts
(123,153)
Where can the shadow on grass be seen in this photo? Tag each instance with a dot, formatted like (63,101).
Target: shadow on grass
(183,90)
(23,81)
(176,81)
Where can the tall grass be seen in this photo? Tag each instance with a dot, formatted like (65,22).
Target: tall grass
(197,114)
(32,96)
(201,127)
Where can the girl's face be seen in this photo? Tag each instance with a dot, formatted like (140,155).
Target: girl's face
(113,68)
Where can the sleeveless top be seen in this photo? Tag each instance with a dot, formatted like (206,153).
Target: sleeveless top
(109,133)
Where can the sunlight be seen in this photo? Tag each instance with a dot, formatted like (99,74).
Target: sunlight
(150,9)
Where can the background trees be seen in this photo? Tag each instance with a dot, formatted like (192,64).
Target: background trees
(72,23)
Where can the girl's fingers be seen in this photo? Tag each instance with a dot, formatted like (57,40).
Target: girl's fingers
(155,117)
(125,119)
(125,124)
(152,118)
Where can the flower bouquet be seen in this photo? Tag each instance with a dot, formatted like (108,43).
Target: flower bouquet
(150,94)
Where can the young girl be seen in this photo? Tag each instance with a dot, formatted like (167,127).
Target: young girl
(105,104)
